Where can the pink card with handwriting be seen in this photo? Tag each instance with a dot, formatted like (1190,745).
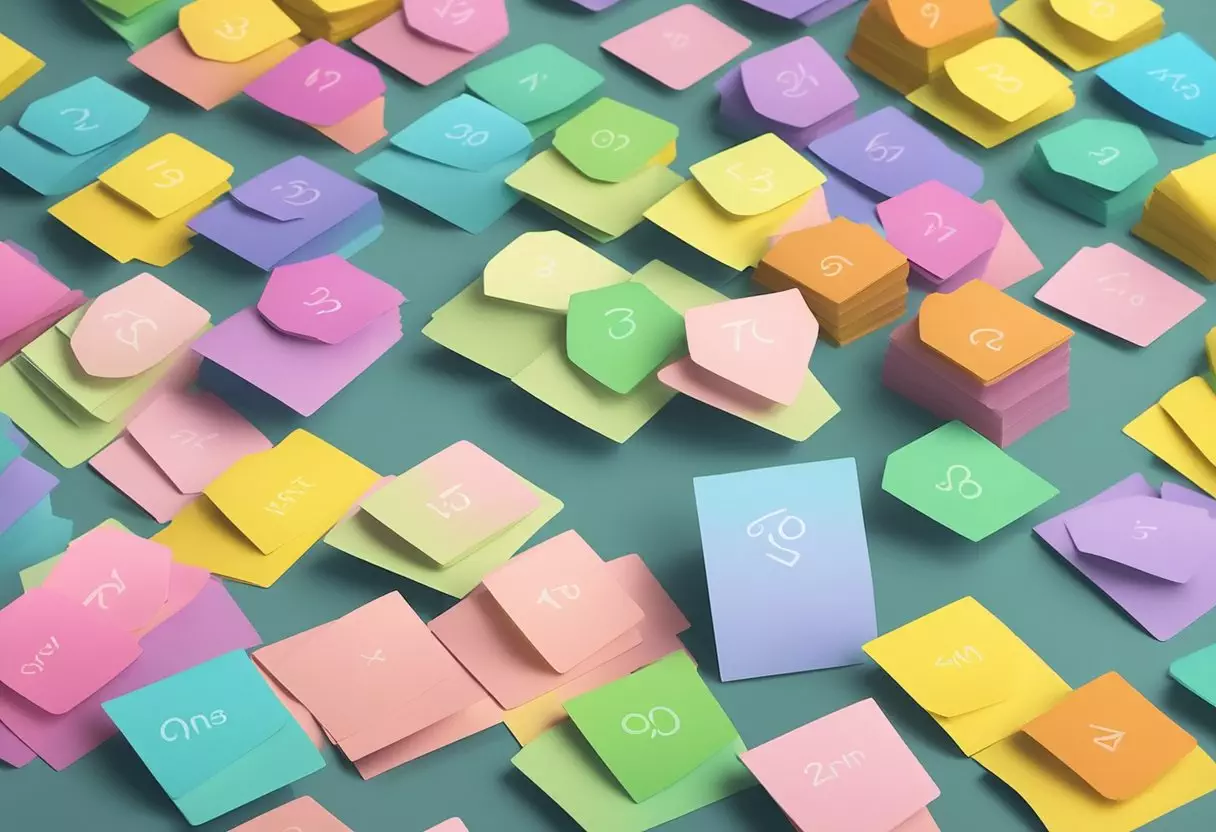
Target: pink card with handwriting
(321,85)
(564,600)
(1114,290)
(678,47)
(300,815)
(843,772)
(325,300)
(57,654)
(414,55)
(134,326)
(28,290)
(939,229)
(470,25)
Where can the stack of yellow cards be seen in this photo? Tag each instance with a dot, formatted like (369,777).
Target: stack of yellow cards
(904,43)
(737,199)
(994,91)
(1085,33)
(1181,428)
(337,20)
(138,209)
(607,166)
(1180,216)
(17,65)
(261,515)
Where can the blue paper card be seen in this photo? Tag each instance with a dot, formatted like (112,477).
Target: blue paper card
(465,133)
(1172,81)
(788,568)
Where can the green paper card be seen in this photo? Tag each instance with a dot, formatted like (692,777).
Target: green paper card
(619,335)
(654,727)
(1110,155)
(1197,673)
(534,84)
(611,142)
(960,479)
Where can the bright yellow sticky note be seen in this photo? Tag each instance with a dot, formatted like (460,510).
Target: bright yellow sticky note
(756,176)
(166,175)
(977,679)
(1111,20)
(1086,33)
(1005,77)
(1192,407)
(17,65)
(544,268)
(232,31)
(1161,436)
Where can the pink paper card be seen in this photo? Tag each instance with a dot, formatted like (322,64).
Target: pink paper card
(470,25)
(678,47)
(57,654)
(762,343)
(1114,290)
(303,814)
(1012,260)
(417,57)
(325,300)
(28,291)
(450,825)
(127,467)
(296,709)
(873,779)
(812,213)
(13,751)
(685,376)
(360,130)
(939,229)
(321,85)
(472,720)
(194,437)
(134,326)
(564,600)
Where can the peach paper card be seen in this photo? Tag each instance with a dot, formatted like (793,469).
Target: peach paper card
(678,47)
(303,814)
(1012,260)
(171,61)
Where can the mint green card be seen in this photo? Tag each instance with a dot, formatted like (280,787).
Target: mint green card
(619,335)
(1197,673)
(1110,155)
(535,84)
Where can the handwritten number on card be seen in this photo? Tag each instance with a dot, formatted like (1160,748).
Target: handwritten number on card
(937,225)
(608,140)
(326,78)
(36,666)
(638,725)
(287,497)
(451,501)
(966,487)
(570,592)
(1121,291)
(851,760)
(797,81)
(791,556)
(627,321)
(117,586)
(1140,532)
(466,135)
(334,304)
(882,153)
(755,333)
(457,11)
(994,341)
(760,183)
(1189,92)
(300,194)
(82,121)
(233,30)
(834,264)
(1008,84)
(190,439)
(960,658)
(533,80)
(1105,155)
(129,335)
(170,177)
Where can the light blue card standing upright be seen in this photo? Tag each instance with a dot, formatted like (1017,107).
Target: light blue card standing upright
(788,568)
(1170,82)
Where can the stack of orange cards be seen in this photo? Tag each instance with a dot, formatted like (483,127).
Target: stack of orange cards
(983,358)
(904,43)
(852,279)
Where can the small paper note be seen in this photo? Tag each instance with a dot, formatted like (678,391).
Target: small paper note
(678,47)
(619,335)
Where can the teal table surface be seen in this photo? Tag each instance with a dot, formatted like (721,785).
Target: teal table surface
(635,497)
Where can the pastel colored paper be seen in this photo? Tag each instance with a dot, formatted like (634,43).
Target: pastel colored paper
(1162,82)
(232,31)
(1192,406)
(415,55)
(297,86)
(544,268)
(172,62)
(22,486)
(540,86)
(298,297)
(1158,433)
(466,133)
(17,65)
(762,568)
(1155,536)
(678,47)
(620,334)
(756,177)
(127,467)
(13,751)
(876,780)
(613,142)
(166,175)
(1082,35)
(471,25)
(301,813)
(1197,673)
(33,299)
(1012,261)
(138,24)
(450,825)
(944,233)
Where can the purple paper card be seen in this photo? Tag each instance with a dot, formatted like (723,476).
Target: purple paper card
(797,84)
(1182,494)
(789,9)
(1152,535)
(596,5)
(737,118)
(1163,608)
(320,84)
(845,199)
(209,626)
(824,10)
(888,152)
(302,374)
(12,750)
(22,485)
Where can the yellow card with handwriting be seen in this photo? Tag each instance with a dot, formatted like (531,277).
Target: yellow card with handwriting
(17,65)
(166,175)
(231,31)
(1086,33)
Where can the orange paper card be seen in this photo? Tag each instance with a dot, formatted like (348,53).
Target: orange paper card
(836,261)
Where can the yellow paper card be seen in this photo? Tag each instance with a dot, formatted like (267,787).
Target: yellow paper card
(1006,78)
(544,268)
(756,176)
(1192,407)
(1063,801)
(1110,20)
(1210,343)
(166,175)
(1075,44)
(1161,436)
(231,31)
(940,99)
(17,65)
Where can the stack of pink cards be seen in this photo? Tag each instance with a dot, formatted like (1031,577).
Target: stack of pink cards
(31,299)
(381,685)
(317,326)
(428,40)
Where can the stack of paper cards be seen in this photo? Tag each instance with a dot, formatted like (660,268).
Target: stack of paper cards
(737,199)
(1197,673)
(959,479)
(877,782)
(318,325)
(1085,33)
(140,207)
(1180,216)
(1103,757)
(806,12)
(1101,169)
(1117,292)
(297,87)
(17,65)
(303,813)
(668,747)
(296,211)
(995,91)
(74,387)
(219,48)
(984,358)
(781,602)
(215,737)
(1160,84)
(138,22)
(373,679)
(607,166)
(1151,552)
(448,521)
(32,300)
(426,41)
(337,20)
(904,43)
(452,161)
(853,280)
(1210,343)
(796,91)
(541,86)
(678,47)
(65,140)
(265,511)
(174,449)
(1178,431)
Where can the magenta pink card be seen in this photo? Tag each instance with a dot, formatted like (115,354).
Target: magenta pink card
(678,47)
(325,300)
(1114,290)
(321,84)
(12,750)
(939,229)
(194,437)
(57,654)
(28,291)
(843,772)
(414,55)
(471,25)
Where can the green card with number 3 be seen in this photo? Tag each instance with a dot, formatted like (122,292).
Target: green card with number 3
(620,334)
